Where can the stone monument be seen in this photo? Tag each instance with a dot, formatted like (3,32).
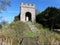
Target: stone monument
(27,12)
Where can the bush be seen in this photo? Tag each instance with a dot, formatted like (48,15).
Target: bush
(0,26)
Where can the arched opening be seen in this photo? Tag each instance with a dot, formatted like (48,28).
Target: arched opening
(28,16)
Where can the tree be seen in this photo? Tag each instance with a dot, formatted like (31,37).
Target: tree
(49,18)
(17,18)
(3,4)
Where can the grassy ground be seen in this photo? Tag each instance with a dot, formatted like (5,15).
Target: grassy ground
(29,33)
(46,35)
(15,31)
(18,30)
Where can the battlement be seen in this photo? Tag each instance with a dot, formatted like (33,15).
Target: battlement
(27,5)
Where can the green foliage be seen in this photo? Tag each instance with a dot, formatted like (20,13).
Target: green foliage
(0,26)
(17,18)
(49,18)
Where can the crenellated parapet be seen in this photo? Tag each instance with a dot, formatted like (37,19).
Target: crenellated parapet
(27,5)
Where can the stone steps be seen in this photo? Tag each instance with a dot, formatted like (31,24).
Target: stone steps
(33,28)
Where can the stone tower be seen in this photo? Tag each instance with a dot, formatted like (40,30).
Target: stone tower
(27,12)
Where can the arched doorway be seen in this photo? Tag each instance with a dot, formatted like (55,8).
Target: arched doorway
(28,16)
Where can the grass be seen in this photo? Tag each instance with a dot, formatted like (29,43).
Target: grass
(18,29)
(47,35)
(29,34)
(14,31)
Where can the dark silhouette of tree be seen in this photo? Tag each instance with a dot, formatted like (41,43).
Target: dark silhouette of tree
(17,18)
(49,18)
(0,26)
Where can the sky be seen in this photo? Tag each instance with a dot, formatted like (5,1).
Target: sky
(14,9)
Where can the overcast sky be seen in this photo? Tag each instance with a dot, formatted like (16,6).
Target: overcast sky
(14,9)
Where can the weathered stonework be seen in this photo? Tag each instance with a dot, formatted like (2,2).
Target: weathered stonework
(25,8)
